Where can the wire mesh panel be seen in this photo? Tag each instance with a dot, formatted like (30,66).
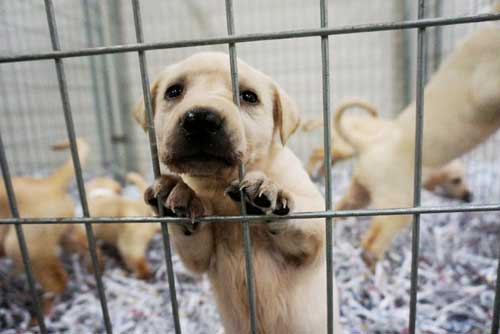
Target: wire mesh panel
(320,52)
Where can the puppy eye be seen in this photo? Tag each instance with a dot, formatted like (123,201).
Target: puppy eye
(249,97)
(174,92)
(456,180)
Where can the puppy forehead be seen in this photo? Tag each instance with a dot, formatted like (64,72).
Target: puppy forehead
(214,67)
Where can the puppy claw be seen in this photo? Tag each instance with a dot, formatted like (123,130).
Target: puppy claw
(262,201)
(178,199)
(262,196)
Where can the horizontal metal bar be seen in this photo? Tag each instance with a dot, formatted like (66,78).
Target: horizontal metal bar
(299,215)
(299,33)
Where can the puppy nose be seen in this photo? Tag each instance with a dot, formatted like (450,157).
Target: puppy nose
(201,121)
(468,197)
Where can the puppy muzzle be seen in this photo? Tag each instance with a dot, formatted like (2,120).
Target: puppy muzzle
(201,141)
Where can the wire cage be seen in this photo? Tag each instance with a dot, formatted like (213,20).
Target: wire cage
(75,68)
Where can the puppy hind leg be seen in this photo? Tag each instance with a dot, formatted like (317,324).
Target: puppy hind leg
(52,277)
(357,197)
(378,239)
(132,248)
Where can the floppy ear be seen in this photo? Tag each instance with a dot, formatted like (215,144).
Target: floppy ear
(285,114)
(434,179)
(139,111)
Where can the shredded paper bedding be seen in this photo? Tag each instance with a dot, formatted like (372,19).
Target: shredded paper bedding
(457,271)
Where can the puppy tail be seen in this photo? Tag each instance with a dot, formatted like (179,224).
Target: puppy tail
(66,172)
(495,7)
(311,125)
(356,141)
(138,180)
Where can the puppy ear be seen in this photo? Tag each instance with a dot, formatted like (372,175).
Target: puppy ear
(434,179)
(285,114)
(139,111)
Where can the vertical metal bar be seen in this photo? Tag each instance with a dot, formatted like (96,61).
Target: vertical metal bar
(95,90)
(109,107)
(417,179)
(20,236)
(156,165)
(407,50)
(495,324)
(247,241)
(325,74)
(115,16)
(438,35)
(63,89)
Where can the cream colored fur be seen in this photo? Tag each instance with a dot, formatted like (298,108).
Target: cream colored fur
(461,108)
(288,256)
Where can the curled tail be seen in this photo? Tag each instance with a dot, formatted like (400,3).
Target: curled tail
(63,175)
(311,125)
(138,180)
(349,136)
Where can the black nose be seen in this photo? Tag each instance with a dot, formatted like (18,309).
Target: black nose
(468,197)
(201,121)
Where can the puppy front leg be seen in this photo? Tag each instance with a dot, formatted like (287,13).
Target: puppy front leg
(193,241)
(299,242)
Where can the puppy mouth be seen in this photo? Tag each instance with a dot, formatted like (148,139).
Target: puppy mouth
(201,162)
(202,157)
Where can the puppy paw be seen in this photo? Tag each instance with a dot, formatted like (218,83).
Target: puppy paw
(262,195)
(370,260)
(177,199)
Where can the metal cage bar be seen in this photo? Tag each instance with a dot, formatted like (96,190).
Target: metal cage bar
(495,323)
(325,77)
(417,168)
(421,24)
(247,242)
(254,218)
(300,33)
(9,189)
(99,112)
(63,89)
(156,165)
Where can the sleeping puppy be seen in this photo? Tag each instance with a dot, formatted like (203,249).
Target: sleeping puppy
(461,110)
(203,137)
(41,198)
(358,131)
(131,239)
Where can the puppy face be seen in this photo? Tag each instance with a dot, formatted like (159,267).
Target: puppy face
(451,181)
(201,131)
(455,186)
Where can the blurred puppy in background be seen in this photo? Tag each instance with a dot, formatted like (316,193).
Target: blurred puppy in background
(105,199)
(43,198)
(461,110)
(357,131)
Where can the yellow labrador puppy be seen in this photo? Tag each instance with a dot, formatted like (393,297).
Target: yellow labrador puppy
(131,239)
(202,138)
(358,131)
(462,109)
(39,198)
